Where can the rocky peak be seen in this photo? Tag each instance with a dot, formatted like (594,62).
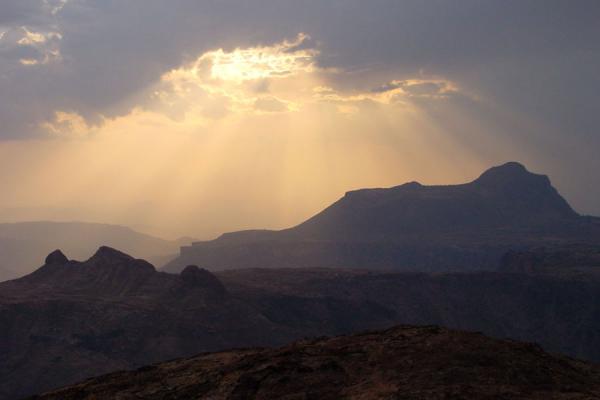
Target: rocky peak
(56,258)
(200,277)
(108,272)
(109,259)
(106,253)
(510,173)
(523,193)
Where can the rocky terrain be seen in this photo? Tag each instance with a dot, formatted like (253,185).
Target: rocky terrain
(572,258)
(24,244)
(560,311)
(72,320)
(412,227)
(399,363)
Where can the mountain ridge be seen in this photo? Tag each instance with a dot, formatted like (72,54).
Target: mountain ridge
(71,320)
(23,244)
(411,227)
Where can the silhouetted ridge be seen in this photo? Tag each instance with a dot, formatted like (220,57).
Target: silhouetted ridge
(514,177)
(56,257)
(413,184)
(109,257)
(411,227)
(108,272)
(511,171)
(108,253)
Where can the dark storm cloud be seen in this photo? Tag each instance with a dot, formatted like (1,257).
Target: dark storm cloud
(19,11)
(112,50)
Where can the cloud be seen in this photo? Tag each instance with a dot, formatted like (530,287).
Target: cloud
(111,52)
(430,88)
(67,125)
(533,64)
(280,77)
(242,80)
(29,47)
(271,104)
(55,6)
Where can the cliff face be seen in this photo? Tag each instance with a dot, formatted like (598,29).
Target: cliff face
(411,227)
(402,362)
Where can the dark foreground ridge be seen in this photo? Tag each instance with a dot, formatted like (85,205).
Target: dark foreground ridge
(399,363)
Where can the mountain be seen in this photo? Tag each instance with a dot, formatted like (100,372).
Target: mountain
(72,320)
(23,245)
(411,227)
(399,363)
(560,311)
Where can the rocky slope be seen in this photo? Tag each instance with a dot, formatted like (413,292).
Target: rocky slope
(412,227)
(399,363)
(24,244)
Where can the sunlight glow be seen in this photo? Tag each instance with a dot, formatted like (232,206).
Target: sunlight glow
(252,137)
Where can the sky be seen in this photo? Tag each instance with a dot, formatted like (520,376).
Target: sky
(195,118)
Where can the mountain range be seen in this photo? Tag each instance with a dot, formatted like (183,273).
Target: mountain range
(505,255)
(411,227)
(72,320)
(23,245)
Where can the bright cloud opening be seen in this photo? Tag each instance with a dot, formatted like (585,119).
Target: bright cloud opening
(229,140)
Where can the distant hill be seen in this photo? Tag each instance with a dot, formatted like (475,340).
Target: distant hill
(399,363)
(71,320)
(412,227)
(24,245)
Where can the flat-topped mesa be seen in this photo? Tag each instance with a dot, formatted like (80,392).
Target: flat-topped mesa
(411,226)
